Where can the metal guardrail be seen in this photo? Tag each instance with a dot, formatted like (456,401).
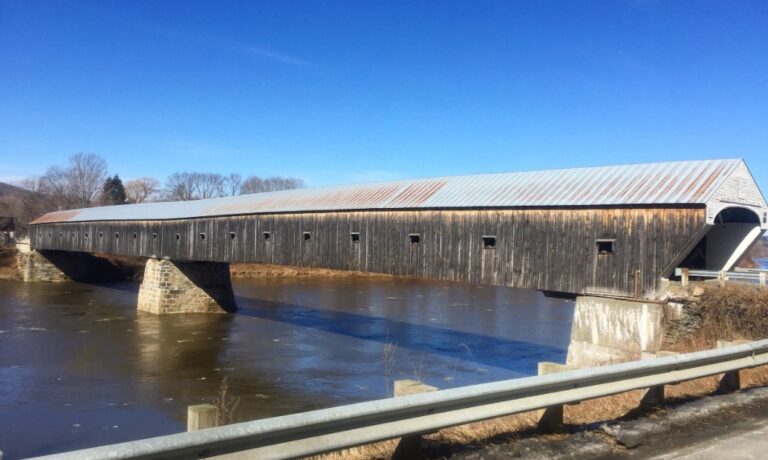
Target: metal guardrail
(326,430)
(748,275)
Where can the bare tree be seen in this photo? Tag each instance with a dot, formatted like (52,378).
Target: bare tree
(55,186)
(256,184)
(209,185)
(141,189)
(85,176)
(234,182)
(180,187)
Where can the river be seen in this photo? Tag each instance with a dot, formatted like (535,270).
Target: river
(79,367)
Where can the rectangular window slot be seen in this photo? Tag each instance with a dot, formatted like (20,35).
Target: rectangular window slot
(202,236)
(307,236)
(355,237)
(414,238)
(117,235)
(489,242)
(86,235)
(267,236)
(101,234)
(605,246)
(154,236)
(178,237)
(232,235)
(134,236)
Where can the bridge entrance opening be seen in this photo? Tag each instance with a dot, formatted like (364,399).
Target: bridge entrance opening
(726,241)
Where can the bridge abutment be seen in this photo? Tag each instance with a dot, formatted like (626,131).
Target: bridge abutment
(36,267)
(186,287)
(612,330)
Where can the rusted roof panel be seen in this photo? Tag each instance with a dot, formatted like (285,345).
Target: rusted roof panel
(684,182)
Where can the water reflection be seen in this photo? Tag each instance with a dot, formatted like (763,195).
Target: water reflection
(80,365)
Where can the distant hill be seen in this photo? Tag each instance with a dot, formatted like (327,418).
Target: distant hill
(8,189)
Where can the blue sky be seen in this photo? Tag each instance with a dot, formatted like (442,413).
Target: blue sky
(336,92)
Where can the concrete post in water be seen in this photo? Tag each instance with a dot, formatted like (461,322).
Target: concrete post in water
(409,446)
(611,330)
(186,287)
(730,381)
(201,416)
(551,418)
(684,277)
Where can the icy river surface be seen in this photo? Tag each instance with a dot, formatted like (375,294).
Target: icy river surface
(80,367)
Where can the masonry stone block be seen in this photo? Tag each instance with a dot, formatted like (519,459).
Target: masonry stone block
(36,267)
(186,287)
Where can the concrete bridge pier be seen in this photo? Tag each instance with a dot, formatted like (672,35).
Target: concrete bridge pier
(607,330)
(186,287)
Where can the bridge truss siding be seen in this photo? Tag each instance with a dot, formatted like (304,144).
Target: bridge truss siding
(546,249)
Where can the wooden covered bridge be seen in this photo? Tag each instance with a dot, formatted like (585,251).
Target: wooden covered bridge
(612,231)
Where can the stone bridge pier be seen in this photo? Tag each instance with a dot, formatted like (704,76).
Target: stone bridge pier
(167,287)
(186,287)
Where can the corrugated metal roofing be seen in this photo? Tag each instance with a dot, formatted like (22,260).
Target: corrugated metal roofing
(684,182)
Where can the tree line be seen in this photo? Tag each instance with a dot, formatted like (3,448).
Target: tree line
(85,182)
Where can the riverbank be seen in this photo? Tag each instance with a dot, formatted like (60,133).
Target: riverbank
(8,268)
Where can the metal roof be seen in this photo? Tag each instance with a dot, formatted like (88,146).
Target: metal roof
(671,183)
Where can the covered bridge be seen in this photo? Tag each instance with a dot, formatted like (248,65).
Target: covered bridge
(612,231)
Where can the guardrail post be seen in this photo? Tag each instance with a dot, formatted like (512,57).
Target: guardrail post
(551,418)
(201,416)
(654,396)
(722,277)
(409,446)
(684,277)
(762,279)
(730,381)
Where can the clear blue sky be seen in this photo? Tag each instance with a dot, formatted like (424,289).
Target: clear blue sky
(352,91)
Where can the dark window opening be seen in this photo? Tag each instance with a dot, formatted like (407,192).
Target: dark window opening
(202,236)
(154,236)
(73,234)
(489,242)
(86,235)
(117,235)
(765,217)
(355,237)
(178,237)
(267,236)
(49,234)
(61,235)
(232,235)
(101,234)
(307,236)
(605,246)
(414,238)
(134,236)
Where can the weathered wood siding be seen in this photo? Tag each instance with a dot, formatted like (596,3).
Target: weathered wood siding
(546,249)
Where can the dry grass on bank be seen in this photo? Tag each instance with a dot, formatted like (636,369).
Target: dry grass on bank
(8,269)
(240,271)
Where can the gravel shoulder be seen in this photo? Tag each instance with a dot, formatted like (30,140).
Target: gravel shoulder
(726,426)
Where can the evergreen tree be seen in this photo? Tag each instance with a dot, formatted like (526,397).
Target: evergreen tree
(113,191)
